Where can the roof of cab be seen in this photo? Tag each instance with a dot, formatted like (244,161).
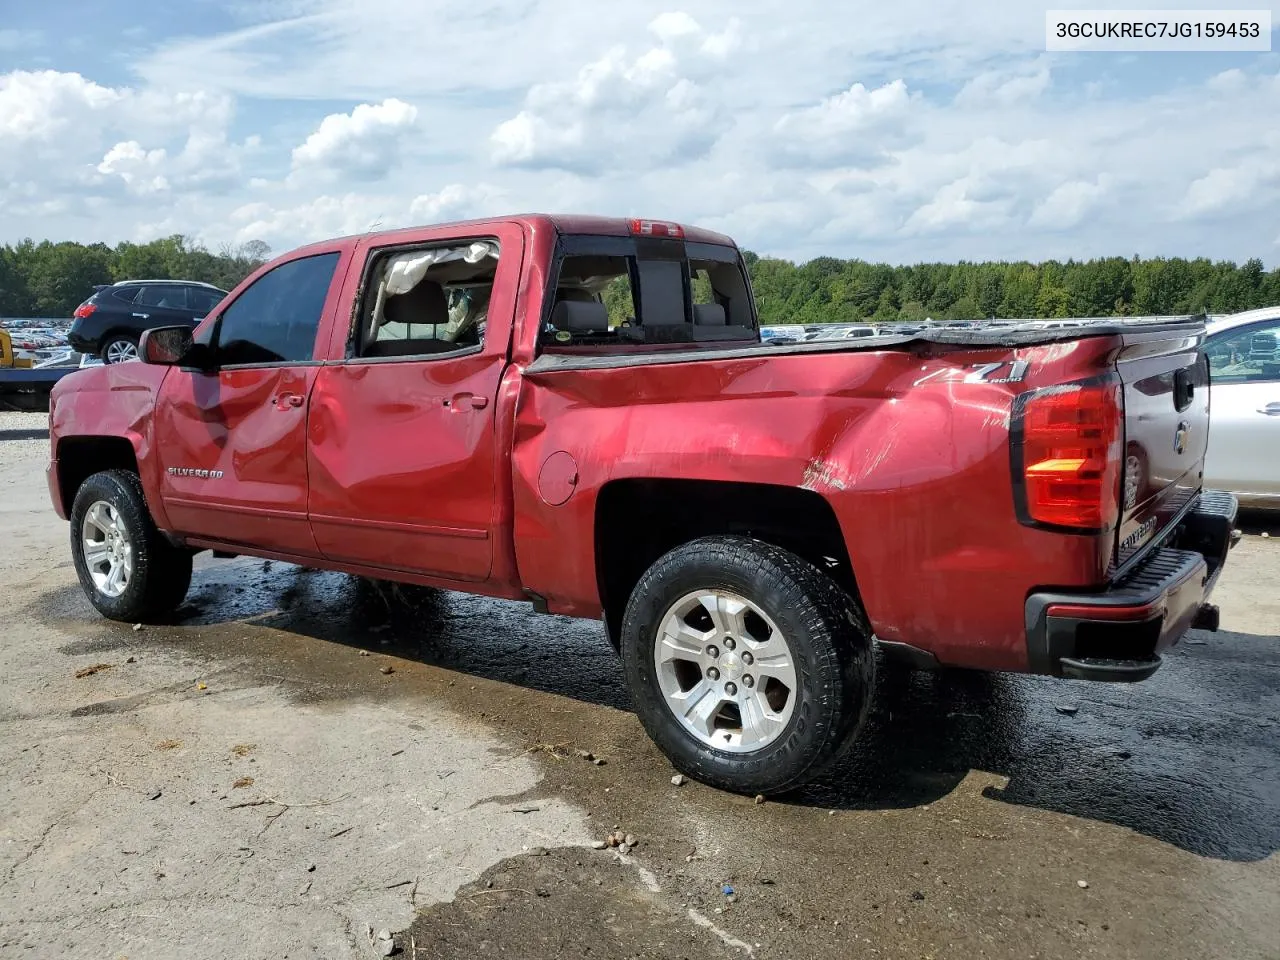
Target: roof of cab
(562,223)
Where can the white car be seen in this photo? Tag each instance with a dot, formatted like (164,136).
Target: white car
(1244,407)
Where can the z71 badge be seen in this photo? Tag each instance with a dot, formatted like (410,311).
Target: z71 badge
(1006,371)
(193,472)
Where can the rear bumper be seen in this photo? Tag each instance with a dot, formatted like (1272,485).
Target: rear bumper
(1119,633)
(81,339)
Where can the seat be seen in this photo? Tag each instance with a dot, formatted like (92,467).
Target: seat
(709,315)
(424,305)
(583,317)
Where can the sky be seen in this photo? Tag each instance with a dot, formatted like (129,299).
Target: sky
(900,132)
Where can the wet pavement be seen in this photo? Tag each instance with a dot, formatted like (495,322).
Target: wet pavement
(996,816)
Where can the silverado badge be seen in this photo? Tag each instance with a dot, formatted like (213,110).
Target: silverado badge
(193,472)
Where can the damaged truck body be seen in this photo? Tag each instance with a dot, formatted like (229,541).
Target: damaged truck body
(581,412)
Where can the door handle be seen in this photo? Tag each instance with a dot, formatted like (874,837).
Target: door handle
(286,400)
(143,316)
(1271,409)
(1184,389)
(462,400)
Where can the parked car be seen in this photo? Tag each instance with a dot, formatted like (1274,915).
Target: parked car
(110,322)
(1244,435)
(458,406)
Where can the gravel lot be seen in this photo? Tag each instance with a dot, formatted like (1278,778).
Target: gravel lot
(250,783)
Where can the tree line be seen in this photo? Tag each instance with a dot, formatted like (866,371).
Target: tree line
(50,279)
(830,290)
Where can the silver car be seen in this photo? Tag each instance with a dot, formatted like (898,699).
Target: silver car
(1244,431)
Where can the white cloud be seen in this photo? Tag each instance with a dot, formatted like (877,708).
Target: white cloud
(720,45)
(853,126)
(138,168)
(674,25)
(1004,87)
(914,130)
(847,112)
(363,144)
(456,201)
(37,106)
(1068,204)
(315,219)
(957,204)
(1229,81)
(1224,189)
(618,110)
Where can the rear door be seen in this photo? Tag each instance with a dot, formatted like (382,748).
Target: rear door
(1244,438)
(402,434)
(160,305)
(201,301)
(1166,405)
(232,442)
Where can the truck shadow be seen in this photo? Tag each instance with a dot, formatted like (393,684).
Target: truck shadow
(1187,758)
(1179,758)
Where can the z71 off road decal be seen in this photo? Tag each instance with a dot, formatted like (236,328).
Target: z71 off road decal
(1006,371)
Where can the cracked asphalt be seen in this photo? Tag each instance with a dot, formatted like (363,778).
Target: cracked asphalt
(249,782)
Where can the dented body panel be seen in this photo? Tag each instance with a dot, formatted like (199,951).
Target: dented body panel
(485,470)
(913,459)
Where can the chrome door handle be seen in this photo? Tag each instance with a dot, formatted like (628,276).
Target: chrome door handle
(1271,409)
(457,401)
(143,316)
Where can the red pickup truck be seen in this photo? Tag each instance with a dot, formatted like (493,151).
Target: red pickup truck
(582,412)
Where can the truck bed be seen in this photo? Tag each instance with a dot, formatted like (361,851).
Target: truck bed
(976,333)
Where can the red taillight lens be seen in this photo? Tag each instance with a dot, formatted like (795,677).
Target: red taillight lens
(656,228)
(1071,446)
(84,310)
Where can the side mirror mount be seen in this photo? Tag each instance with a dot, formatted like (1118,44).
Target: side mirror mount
(166,346)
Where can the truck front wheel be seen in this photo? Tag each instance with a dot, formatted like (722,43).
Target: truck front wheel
(747,666)
(128,570)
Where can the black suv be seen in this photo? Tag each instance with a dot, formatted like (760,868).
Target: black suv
(110,322)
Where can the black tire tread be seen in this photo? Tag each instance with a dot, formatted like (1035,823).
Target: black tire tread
(161,571)
(843,650)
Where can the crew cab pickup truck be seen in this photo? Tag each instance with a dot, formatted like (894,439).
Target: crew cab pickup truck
(581,412)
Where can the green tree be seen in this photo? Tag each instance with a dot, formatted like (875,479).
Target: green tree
(63,275)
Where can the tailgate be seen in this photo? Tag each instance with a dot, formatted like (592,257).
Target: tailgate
(1166,404)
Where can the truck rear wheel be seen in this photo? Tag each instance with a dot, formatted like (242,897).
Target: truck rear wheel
(748,667)
(128,570)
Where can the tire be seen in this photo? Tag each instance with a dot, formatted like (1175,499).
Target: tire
(159,574)
(831,656)
(118,345)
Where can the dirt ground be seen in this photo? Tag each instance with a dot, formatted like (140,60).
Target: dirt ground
(249,782)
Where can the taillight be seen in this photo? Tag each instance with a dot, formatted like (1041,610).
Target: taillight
(84,310)
(656,228)
(1070,452)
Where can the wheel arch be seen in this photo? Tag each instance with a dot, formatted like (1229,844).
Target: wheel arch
(639,520)
(80,457)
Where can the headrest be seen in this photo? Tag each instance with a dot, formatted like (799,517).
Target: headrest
(425,303)
(580,316)
(708,315)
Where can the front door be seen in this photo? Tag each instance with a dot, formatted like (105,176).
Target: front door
(232,441)
(402,431)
